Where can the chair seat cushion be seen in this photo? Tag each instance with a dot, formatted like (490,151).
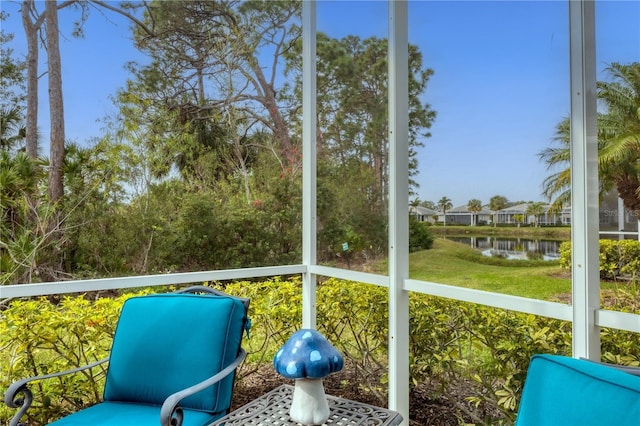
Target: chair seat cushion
(125,414)
(566,391)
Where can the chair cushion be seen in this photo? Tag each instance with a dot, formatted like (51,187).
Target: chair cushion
(125,414)
(567,391)
(167,342)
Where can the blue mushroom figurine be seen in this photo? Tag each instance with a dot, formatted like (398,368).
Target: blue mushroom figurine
(307,357)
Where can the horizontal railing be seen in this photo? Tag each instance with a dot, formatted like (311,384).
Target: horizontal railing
(80,286)
(561,311)
(621,233)
(496,300)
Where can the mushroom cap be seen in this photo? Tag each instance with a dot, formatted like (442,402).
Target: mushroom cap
(307,354)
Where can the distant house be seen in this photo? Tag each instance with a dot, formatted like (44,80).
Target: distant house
(508,215)
(462,216)
(613,215)
(423,214)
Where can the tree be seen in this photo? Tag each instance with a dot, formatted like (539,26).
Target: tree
(23,239)
(535,210)
(31,28)
(445,204)
(519,218)
(474,206)
(352,108)
(619,130)
(427,204)
(12,88)
(414,204)
(12,131)
(56,103)
(497,202)
(209,64)
(618,142)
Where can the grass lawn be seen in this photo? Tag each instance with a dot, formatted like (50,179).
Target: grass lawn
(457,264)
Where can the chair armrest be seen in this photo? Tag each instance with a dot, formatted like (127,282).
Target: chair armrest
(626,368)
(11,396)
(172,415)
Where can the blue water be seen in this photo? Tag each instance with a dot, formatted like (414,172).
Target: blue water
(513,248)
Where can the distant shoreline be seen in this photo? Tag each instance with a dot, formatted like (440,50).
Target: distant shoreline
(555,232)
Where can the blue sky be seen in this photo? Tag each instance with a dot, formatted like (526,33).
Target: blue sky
(500,84)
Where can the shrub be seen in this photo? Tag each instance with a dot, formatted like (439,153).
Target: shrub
(38,337)
(474,357)
(477,357)
(275,312)
(420,237)
(617,257)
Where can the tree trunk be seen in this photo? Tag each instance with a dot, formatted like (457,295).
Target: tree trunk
(31,32)
(280,127)
(56,105)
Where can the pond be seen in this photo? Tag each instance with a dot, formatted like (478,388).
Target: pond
(513,248)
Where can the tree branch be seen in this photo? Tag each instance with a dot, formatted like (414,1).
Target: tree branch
(127,15)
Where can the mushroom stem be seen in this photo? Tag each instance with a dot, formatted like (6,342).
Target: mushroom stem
(309,405)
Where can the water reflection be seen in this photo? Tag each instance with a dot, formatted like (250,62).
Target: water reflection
(513,248)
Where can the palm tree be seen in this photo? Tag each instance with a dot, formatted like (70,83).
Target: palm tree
(497,202)
(445,204)
(474,206)
(415,204)
(618,142)
(619,129)
(519,218)
(557,186)
(535,210)
(12,130)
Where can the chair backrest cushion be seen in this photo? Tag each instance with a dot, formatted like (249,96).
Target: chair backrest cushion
(566,391)
(167,342)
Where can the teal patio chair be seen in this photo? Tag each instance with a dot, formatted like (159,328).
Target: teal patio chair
(563,391)
(172,362)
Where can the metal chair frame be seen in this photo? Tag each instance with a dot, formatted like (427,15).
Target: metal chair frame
(170,413)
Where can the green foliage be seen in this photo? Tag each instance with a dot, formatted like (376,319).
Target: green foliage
(420,237)
(354,317)
(12,87)
(29,226)
(474,357)
(275,311)
(618,141)
(39,337)
(535,210)
(158,232)
(478,353)
(617,258)
(353,138)
(519,218)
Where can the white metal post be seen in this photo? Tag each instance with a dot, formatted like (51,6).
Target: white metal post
(398,58)
(584,180)
(309,165)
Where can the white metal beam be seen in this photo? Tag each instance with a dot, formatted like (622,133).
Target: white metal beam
(584,180)
(398,58)
(497,300)
(81,286)
(309,165)
(350,275)
(618,320)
